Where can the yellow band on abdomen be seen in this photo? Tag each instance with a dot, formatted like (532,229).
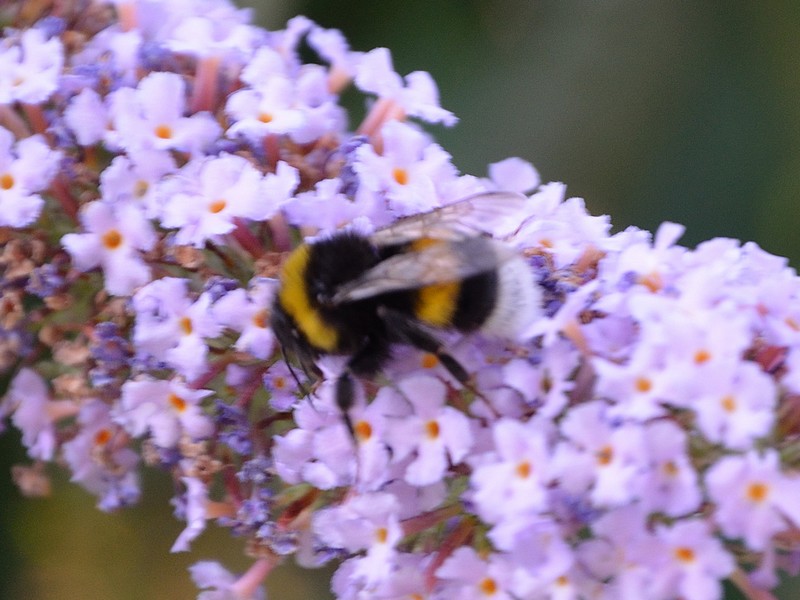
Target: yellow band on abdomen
(436,304)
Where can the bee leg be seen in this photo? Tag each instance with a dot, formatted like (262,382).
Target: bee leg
(409,332)
(366,362)
(345,394)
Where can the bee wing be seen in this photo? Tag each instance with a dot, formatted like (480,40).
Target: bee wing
(440,263)
(480,213)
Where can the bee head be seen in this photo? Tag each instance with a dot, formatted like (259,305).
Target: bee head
(293,343)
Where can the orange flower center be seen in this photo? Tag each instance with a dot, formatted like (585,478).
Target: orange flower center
(605,455)
(363,431)
(400,175)
(102,437)
(488,586)
(186,325)
(702,356)
(111,239)
(524,469)
(217,206)
(652,281)
(381,535)
(178,403)
(684,554)
(728,403)
(429,360)
(140,188)
(757,492)
(643,385)
(260,319)
(163,132)
(432,429)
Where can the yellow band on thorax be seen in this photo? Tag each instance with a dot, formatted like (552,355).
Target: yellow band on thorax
(294,299)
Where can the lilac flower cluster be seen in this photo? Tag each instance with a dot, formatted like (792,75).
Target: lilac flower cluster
(158,159)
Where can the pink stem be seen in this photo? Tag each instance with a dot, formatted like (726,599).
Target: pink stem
(10,119)
(246,239)
(35,117)
(740,579)
(204,95)
(126,14)
(68,203)
(247,584)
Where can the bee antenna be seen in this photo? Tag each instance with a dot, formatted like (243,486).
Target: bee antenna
(292,371)
(349,424)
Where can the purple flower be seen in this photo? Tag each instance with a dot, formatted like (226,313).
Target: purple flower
(170,326)
(152,117)
(35,414)
(114,239)
(30,71)
(166,410)
(416,94)
(26,167)
(627,434)
(99,462)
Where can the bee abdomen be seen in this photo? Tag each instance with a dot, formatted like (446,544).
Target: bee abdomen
(518,302)
(476,301)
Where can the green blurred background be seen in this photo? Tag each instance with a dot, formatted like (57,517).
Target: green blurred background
(649,110)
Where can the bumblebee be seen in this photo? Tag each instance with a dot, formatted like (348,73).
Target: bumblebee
(358,296)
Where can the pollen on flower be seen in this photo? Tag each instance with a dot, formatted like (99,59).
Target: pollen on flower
(217,206)
(488,586)
(363,430)
(6,181)
(432,429)
(176,402)
(279,382)
(265,117)
(757,492)
(562,581)
(684,554)
(429,360)
(400,175)
(792,323)
(185,325)
(163,132)
(112,239)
